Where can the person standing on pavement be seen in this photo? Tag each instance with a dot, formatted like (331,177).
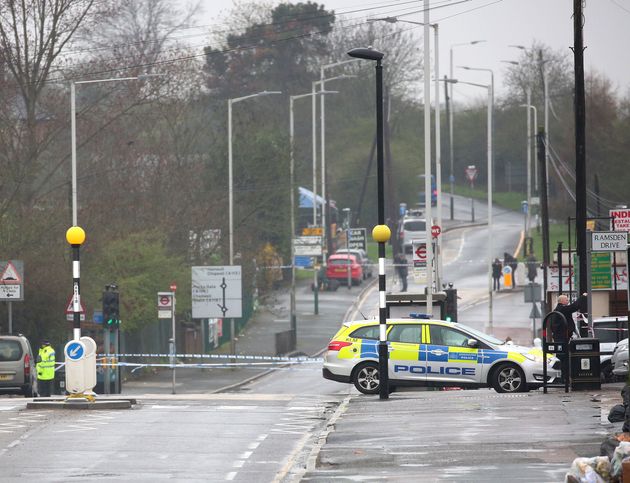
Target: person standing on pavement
(496,274)
(400,262)
(45,369)
(560,333)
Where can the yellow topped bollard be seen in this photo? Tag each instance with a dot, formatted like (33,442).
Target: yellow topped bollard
(75,235)
(381,233)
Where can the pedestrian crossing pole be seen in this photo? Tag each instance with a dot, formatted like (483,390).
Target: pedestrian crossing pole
(381,232)
(75,236)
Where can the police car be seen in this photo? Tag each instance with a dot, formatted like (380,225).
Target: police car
(433,353)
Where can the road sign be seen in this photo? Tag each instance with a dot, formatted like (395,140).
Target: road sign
(419,250)
(357,239)
(435,231)
(609,241)
(165,305)
(313,231)
(70,310)
(471,173)
(75,350)
(173,286)
(621,218)
(217,292)
(307,245)
(12,280)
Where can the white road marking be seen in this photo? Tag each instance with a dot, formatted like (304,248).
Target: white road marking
(253,445)
(246,455)
(238,408)
(238,464)
(7,408)
(262,437)
(231,475)
(76,427)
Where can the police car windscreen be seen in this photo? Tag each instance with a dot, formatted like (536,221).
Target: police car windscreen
(10,350)
(415,225)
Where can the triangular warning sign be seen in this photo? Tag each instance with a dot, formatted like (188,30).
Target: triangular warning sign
(70,308)
(10,275)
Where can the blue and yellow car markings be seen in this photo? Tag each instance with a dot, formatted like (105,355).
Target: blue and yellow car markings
(465,355)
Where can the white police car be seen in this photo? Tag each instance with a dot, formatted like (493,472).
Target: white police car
(433,353)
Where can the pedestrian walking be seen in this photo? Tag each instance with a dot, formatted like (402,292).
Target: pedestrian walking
(497,272)
(400,262)
(45,369)
(532,267)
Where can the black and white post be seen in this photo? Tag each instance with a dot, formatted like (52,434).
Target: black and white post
(381,232)
(75,236)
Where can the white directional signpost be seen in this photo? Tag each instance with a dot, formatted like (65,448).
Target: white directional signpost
(307,246)
(217,292)
(80,365)
(471,175)
(11,285)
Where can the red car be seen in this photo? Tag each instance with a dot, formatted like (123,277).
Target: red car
(338,268)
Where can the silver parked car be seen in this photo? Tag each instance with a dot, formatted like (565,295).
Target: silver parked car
(609,331)
(17,366)
(620,360)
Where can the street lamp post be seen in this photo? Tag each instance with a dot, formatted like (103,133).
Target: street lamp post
(450,120)
(481,69)
(322,120)
(381,233)
(292,99)
(231,192)
(75,235)
(346,212)
(489,149)
(438,147)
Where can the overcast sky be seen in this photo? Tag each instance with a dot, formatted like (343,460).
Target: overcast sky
(500,23)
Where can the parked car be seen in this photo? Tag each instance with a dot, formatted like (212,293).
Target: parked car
(620,361)
(338,268)
(17,366)
(362,258)
(412,229)
(609,331)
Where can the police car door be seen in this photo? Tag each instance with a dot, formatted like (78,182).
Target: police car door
(406,354)
(449,358)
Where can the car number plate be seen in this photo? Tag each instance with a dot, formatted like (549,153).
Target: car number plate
(340,270)
(5,377)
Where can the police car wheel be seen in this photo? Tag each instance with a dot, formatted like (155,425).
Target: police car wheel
(366,378)
(509,378)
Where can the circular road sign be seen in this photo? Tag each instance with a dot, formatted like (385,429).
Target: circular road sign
(435,231)
(75,350)
(421,252)
(165,300)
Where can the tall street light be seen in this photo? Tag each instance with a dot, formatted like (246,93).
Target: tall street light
(528,140)
(381,232)
(489,149)
(75,235)
(438,141)
(292,99)
(322,113)
(481,69)
(314,145)
(231,191)
(450,119)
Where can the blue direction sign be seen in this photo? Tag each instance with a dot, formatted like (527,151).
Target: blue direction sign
(75,350)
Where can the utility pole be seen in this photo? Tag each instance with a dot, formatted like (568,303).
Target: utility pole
(580,144)
(451,176)
(544,210)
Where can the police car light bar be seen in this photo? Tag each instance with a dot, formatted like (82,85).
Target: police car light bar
(416,315)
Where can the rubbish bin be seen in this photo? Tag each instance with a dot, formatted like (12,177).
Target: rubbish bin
(585,368)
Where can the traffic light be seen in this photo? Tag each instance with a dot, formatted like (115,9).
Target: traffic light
(111,311)
(451,304)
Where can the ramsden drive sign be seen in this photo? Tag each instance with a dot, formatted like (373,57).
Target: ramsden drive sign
(609,241)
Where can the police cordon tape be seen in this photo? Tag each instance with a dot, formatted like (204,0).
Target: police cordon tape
(301,359)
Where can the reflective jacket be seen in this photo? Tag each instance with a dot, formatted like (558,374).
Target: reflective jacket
(46,363)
